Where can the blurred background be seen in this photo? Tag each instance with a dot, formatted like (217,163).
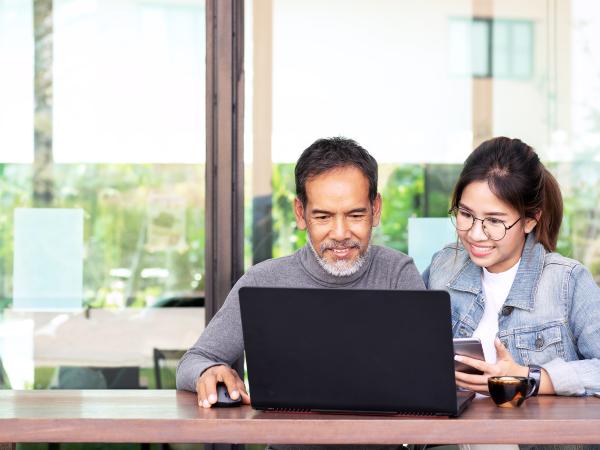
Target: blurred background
(103,150)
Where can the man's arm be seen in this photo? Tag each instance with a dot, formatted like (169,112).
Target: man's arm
(221,343)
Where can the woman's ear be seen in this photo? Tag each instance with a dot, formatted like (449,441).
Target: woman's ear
(531,222)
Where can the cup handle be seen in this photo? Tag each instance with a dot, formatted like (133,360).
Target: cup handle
(531,389)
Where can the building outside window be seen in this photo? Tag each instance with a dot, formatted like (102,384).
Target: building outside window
(489,47)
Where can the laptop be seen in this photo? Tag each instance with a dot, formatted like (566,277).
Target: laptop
(350,350)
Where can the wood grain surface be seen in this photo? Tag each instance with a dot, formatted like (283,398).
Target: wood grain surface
(169,416)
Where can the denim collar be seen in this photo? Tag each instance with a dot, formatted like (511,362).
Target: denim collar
(522,292)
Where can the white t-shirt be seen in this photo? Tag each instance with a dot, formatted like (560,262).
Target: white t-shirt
(496,287)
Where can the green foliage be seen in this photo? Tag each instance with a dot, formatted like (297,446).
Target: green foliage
(440,181)
(117,200)
(286,237)
(578,239)
(402,196)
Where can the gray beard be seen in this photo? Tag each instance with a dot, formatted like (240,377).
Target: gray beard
(339,268)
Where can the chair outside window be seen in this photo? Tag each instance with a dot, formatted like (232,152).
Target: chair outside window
(75,377)
(165,362)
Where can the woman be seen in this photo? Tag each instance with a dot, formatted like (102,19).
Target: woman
(536,312)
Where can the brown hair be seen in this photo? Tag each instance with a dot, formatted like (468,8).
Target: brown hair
(332,153)
(516,175)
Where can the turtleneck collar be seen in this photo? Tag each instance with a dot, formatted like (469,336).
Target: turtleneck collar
(309,263)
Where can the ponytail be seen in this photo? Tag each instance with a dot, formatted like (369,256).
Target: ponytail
(548,227)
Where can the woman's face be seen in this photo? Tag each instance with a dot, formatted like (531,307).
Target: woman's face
(496,256)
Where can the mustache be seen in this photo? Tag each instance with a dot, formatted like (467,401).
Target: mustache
(339,245)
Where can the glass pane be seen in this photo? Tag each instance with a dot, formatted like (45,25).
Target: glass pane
(522,49)
(480,42)
(368,71)
(103,224)
(460,47)
(126,77)
(365,71)
(502,48)
(16,57)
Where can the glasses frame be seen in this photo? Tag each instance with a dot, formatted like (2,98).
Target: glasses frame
(454,211)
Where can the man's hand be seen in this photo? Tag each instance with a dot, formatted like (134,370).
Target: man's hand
(505,365)
(206,386)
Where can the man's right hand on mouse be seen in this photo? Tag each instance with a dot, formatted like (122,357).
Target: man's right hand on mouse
(206,386)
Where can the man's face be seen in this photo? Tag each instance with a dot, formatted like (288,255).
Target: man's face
(338,218)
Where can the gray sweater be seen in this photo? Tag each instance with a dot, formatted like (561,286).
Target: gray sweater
(222,341)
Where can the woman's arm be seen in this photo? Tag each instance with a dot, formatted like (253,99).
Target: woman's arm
(581,376)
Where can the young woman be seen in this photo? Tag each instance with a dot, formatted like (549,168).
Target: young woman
(536,312)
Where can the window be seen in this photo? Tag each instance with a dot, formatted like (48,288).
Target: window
(498,48)
(416,88)
(101,185)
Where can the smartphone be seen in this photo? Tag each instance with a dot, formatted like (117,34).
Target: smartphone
(470,347)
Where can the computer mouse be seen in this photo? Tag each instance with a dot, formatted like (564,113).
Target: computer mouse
(223,398)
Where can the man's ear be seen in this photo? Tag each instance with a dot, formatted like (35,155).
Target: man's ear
(377,210)
(299,213)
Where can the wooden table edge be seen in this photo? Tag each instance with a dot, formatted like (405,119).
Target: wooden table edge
(306,431)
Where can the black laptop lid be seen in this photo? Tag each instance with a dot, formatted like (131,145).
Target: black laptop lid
(358,350)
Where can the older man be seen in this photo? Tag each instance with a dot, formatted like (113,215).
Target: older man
(338,205)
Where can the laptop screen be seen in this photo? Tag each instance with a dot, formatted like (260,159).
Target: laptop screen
(355,350)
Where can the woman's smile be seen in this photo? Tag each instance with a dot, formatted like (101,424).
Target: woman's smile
(479,250)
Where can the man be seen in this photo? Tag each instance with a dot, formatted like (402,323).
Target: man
(338,205)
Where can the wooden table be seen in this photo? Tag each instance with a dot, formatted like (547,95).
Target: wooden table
(169,416)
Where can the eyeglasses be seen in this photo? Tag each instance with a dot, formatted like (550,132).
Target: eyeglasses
(494,229)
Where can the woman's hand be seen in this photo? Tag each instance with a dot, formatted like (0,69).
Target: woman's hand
(505,365)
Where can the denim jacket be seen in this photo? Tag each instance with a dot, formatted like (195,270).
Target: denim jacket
(551,316)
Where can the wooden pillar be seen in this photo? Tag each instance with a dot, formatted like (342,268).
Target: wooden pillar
(224,149)
(224,157)
(483,88)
